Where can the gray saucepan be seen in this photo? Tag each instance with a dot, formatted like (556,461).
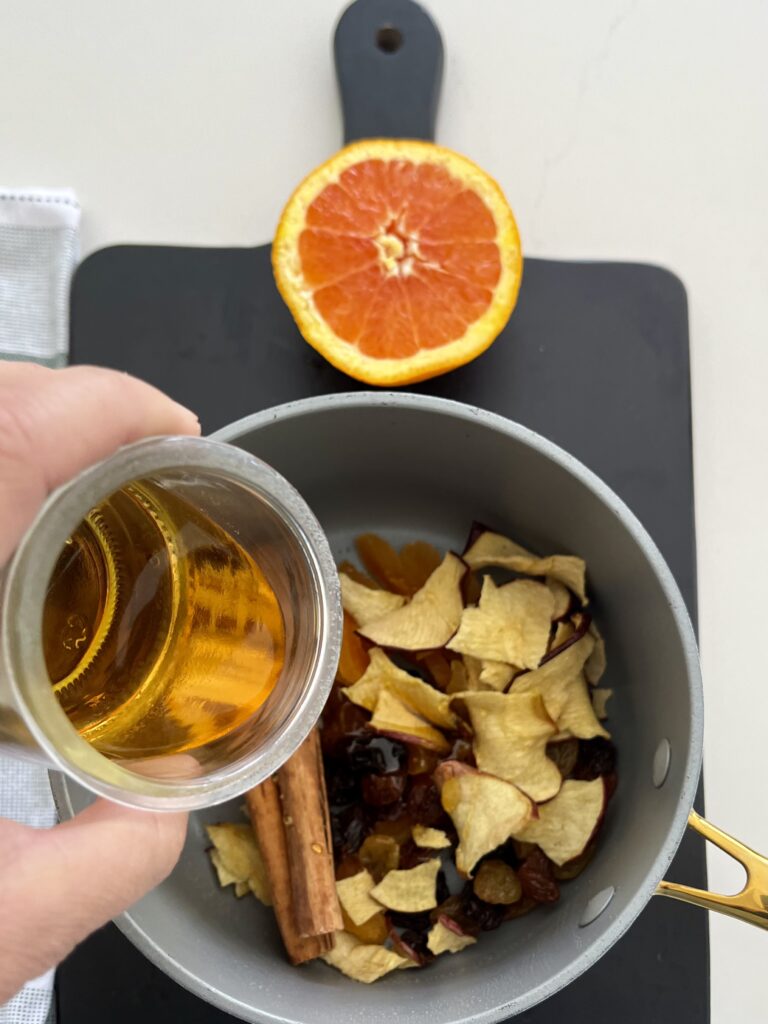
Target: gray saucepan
(416,467)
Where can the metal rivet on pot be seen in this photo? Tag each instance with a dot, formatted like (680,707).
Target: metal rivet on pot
(596,906)
(661,761)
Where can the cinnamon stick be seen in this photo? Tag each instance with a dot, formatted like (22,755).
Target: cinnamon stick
(266,814)
(306,818)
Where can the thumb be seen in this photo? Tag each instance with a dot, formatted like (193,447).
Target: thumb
(58,885)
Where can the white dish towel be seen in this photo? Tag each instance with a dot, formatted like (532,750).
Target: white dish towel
(39,249)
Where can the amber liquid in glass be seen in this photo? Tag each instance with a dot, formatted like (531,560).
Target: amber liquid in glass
(160,632)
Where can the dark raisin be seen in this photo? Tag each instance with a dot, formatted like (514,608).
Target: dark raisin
(375,755)
(343,787)
(414,946)
(536,878)
(450,907)
(422,761)
(596,757)
(341,720)
(382,790)
(462,751)
(411,855)
(392,812)
(349,828)
(423,800)
(417,922)
(474,911)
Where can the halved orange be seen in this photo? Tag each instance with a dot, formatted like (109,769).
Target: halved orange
(399,260)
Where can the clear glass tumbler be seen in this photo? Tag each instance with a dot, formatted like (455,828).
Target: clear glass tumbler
(169,626)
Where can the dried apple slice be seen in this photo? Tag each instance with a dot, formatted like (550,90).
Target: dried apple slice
(511,735)
(554,679)
(578,715)
(511,624)
(566,824)
(360,961)
(442,939)
(561,595)
(485,810)
(430,838)
(563,631)
(409,891)
(383,674)
(431,617)
(355,897)
(496,675)
(600,698)
(394,718)
(492,549)
(237,859)
(366,605)
(596,663)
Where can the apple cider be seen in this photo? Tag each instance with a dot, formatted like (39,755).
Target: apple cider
(160,632)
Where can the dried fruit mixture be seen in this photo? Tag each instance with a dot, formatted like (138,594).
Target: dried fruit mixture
(464,756)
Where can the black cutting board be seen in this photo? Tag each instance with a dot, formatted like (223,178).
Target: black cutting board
(595,357)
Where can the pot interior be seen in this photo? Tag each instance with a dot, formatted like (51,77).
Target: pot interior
(412,468)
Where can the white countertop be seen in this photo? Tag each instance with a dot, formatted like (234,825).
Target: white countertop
(634,130)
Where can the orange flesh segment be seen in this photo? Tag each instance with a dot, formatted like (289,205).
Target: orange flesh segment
(399,257)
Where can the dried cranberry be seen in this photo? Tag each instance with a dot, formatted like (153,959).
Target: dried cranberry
(536,878)
(462,751)
(375,755)
(596,757)
(349,828)
(382,790)
(423,800)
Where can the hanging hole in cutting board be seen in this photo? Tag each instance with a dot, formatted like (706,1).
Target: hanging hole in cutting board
(389,39)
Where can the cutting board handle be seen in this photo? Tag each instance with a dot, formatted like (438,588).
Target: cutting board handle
(389,63)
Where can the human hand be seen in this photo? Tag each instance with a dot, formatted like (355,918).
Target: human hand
(59,884)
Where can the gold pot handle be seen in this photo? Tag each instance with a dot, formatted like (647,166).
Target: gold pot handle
(751,904)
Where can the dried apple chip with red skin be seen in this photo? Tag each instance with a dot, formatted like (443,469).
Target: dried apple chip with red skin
(359,961)
(511,624)
(562,598)
(578,716)
(596,663)
(420,697)
(364,604)
(431,617)
(395,719)
(494,550)
(511,735)
(553,679)
(485,810)
(442,939)
(566,824)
